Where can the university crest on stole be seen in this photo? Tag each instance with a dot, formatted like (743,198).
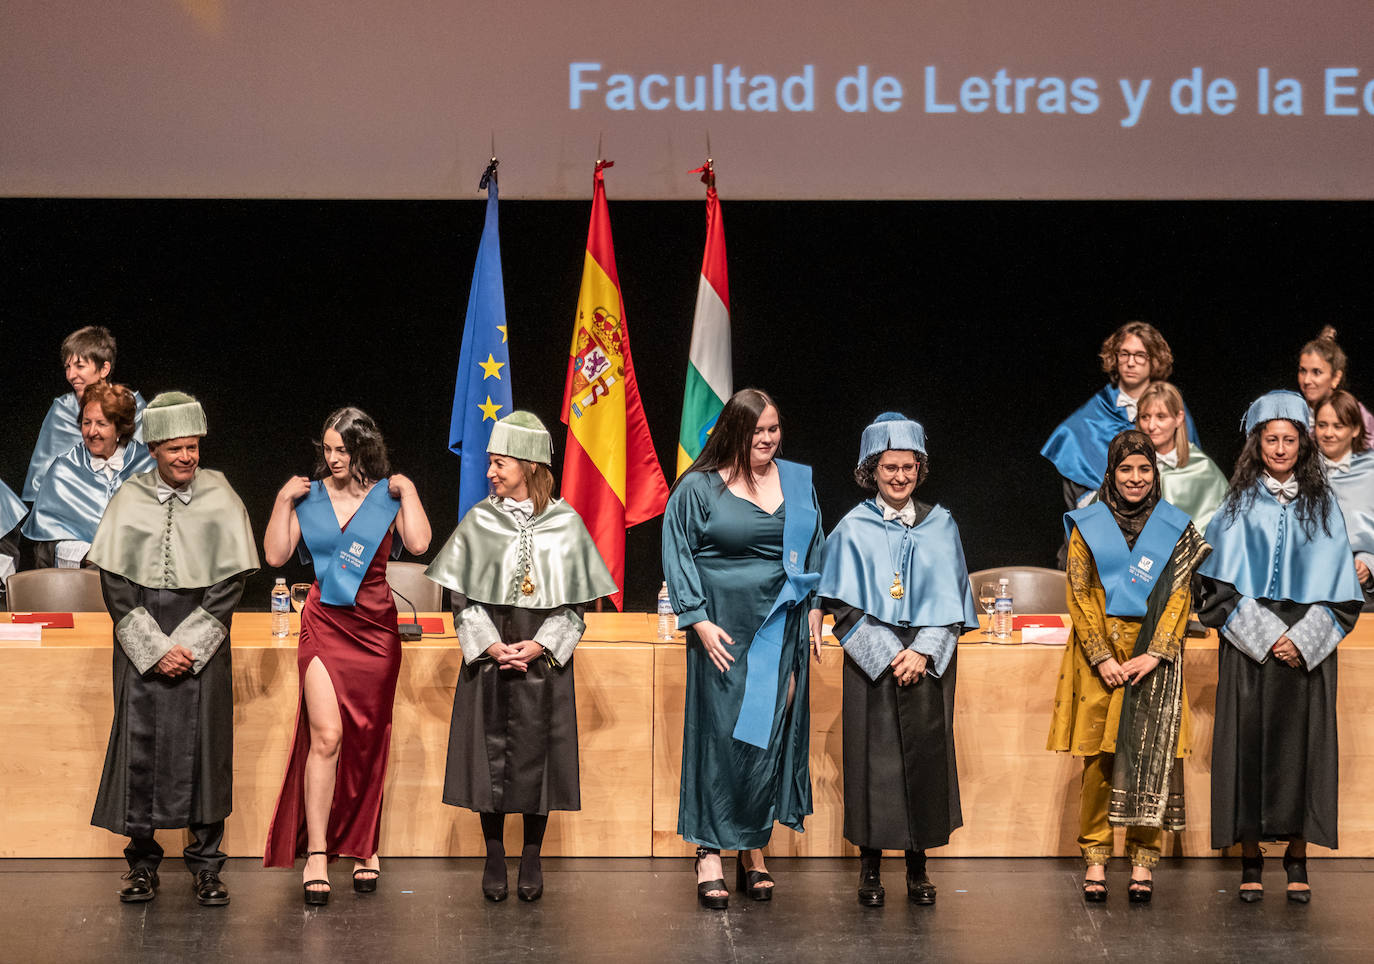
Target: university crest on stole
(598,358)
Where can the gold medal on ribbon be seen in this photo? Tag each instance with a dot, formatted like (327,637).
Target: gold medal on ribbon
(896,591)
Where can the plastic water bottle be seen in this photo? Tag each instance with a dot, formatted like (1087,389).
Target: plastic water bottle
(281,609)
(667,620)
(1002,611)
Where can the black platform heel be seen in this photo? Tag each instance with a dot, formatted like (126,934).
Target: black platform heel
(316,898)
(704,888)
(1296,869)
(752,881)
(1095,891)
(1252,872)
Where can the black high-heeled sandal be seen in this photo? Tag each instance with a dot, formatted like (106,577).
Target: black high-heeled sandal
(1296,869)
(365,884)
(752,881)
(1140,891)
(1251,872)
(317,898)
(704,896)
(1094,891)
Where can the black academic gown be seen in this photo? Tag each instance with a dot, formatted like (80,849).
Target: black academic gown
(901,782)
(170,761)
(512,745)
(1274,750)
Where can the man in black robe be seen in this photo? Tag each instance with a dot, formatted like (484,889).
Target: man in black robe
(174,549)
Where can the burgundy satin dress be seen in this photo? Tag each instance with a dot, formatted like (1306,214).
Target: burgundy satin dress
(361,649)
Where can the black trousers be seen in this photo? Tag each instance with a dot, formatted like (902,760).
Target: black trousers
(202,853)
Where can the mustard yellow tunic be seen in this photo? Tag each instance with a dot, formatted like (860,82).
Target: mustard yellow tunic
(1086,713)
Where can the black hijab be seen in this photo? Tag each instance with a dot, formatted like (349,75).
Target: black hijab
(1130,517)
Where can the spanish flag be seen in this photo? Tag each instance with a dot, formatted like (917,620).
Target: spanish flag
(709,373)
(611,474)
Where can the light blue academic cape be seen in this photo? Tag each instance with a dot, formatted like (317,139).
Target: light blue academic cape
(1078,447)
(61,430)
(74,495)
(11,509)
(1354,490)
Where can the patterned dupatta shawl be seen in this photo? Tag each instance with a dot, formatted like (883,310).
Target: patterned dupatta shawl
(1147,785)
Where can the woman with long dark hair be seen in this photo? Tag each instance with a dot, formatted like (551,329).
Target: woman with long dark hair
(349,654)
(1280,587)
(522,569)
(741,545)
(1120,703)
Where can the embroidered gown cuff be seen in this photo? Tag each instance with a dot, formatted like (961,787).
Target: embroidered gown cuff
(142,640)
(873,646)
(936,642)
(1316,635)
(70,552)
(476,632)
(201,634)
(1253,629)
(560,634)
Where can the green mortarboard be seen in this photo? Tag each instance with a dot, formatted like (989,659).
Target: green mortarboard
(172,415)
(521,436)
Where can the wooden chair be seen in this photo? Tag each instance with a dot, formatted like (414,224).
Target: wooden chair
(1033,589)
(56,591)
(410,580)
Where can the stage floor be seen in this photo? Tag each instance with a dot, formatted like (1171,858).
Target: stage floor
(643,909)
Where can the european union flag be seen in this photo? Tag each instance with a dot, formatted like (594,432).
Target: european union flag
(481,392)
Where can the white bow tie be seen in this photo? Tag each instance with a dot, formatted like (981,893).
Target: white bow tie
(1169,458)
(114,463)
(1285,492)
(906,514)
(523,510)
(1342,466)
(165,492)
(1128,403)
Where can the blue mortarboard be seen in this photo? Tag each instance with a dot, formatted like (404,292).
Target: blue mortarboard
(892,430)
(1281,404)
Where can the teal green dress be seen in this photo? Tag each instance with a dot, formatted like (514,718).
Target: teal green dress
(722,558)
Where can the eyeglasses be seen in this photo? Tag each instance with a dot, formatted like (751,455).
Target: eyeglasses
(1139,357)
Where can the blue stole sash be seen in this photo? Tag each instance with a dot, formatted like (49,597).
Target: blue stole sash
(1078,447)
(863,552)
(341,557)
(1128,574)
(755,721)
(1266,553)
(74,495)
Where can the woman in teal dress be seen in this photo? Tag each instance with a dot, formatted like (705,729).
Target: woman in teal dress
(741,547)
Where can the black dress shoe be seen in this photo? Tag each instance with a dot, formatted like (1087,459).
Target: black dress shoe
(210,890)
(143,884)
(919,890)
(871,893)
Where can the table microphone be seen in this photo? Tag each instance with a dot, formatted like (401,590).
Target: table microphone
(410,632)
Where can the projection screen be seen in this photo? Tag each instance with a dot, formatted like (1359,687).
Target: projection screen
(882,99)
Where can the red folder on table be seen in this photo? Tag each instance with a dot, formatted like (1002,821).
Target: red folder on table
(50,620)
(1019,623)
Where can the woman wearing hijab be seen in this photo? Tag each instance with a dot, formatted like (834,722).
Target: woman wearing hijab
(1281,589)
(1349,465)
(893,575)
(1120,702)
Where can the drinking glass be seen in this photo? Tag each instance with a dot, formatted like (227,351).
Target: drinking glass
(299,590)
(987,598)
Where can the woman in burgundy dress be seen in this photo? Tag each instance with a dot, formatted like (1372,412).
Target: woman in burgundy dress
(349,655)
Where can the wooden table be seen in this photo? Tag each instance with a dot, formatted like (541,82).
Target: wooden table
(1018,799)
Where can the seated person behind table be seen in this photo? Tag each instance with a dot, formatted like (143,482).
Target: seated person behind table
(88,356)
(1132,356)
(81,482)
